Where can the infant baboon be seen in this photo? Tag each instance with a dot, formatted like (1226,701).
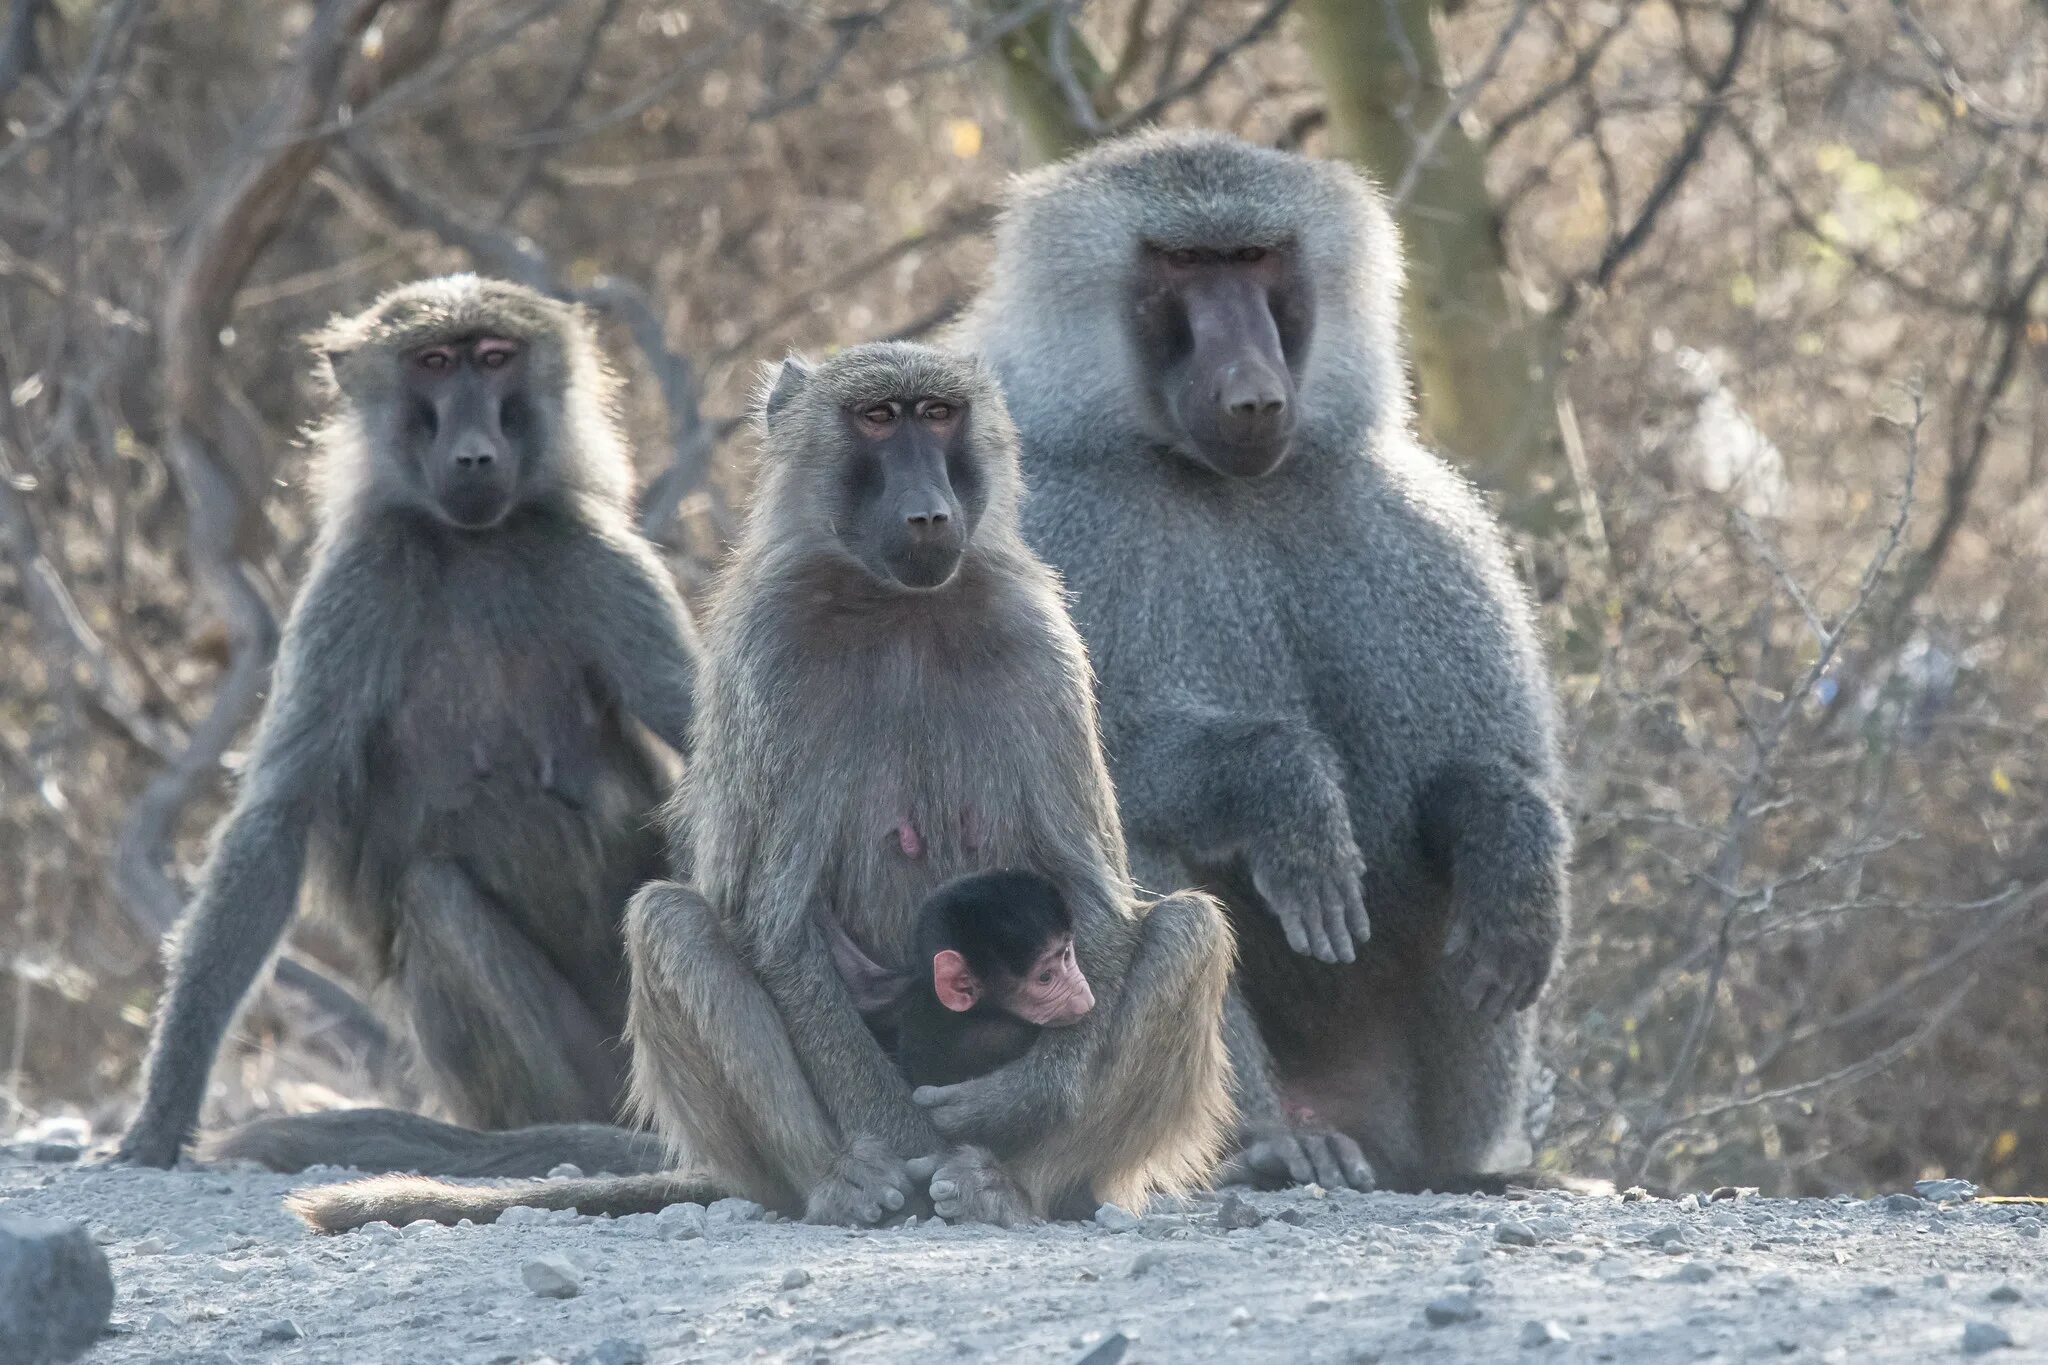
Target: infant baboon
(451,762)
(1322,689)
(892,696)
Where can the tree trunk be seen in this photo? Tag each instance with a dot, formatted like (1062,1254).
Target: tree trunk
(1485,368)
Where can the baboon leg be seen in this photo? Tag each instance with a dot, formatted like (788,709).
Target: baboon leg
(505,1039)
(1157,1111)
(1472,1082)
(712,1061)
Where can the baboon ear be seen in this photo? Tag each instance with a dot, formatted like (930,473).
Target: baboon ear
(790,378)
(953,981)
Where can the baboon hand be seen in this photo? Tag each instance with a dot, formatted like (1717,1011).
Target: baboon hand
(1320,902)
(147,1147)
(1272,1156)
(867,1183)
(1496,969)
(967,1186)
(973,1110)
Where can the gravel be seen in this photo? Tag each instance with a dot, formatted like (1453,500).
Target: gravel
(1355,1281)
(55,1289)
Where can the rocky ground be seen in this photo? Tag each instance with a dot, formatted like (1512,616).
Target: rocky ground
(209,1268)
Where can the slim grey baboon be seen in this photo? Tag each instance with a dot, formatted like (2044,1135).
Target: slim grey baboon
(452,760)
(892,696)
(1323,693)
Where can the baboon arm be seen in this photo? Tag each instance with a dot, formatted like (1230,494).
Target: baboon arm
(646,643)
(1503,841)
(1210,783)
(306,744)
(859,1088)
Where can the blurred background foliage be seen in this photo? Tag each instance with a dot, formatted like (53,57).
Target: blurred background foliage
(1734,305)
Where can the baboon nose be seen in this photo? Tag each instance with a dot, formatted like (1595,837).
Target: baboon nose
(1254,398)
(931,519)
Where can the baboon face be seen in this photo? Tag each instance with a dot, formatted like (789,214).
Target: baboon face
(913,491)
(1221,331)
(466,425)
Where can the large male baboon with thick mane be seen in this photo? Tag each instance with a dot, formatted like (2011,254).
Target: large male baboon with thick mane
(1323,695)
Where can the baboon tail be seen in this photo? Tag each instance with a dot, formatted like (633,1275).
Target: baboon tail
(402,1199)
(393,1140)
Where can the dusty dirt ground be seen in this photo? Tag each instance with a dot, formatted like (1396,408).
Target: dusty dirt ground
(209,1268)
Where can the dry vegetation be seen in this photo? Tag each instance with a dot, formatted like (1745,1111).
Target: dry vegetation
(1786,516)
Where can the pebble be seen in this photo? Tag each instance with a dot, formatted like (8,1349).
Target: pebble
(1879,1291)
(2005,1293)
(1145,1262)
(1451,1308)
(1692,1272)
(1901,1203)
(1778,1282)
(568,1170)
(1945,1191)
(151,1246)
(613,1351)
(1318,1304)
(56,1292)
(2028,1226)
(681,1222)
(1539,1334)
(1469,1250)
(1115,1218)
(1511,1232)
(1292,1216)
(1108,1351)
(65,1152)
(1240,1316)
(1236,1212)
(734,1211)
(284,1329)
(795,1278)
(1935,1281)
(552,1277)
(1979,1337)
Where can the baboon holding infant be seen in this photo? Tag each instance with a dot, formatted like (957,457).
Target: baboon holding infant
(453,760)
(1323,694)
(892,695)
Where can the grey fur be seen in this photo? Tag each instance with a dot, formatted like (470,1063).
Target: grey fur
(1324,679)
(451,760)
(835,708)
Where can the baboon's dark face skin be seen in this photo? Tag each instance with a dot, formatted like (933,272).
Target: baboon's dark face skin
(1222,331)
(914,491)
(468,426)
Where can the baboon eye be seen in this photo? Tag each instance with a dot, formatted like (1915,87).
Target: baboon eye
(1249,254)
(494,354)
(1045,978)
(936,411)
(1184,255)
(881,414)
(435,358)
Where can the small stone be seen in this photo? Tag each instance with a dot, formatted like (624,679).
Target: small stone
(795,1278)
(2029,1226)
(1088,1277)
(1693,1272)
(1236,1212)
(1511,1232)
(1318,1304)
(1240,1316)
(56,1292)
(512,1217)
(150,1246)
(1145,1262)
(1109,1351)
(568,1170)
(1536,1335)
(1778,1282)
(158,1322)
(1292,1216)
(734,1211)
(284,1329)
(1935,1281)
(1979,1337)
(1665,1235)
(2005,1293)
(1635,1194)
(552,1277)
(1115,1218)
(1451,1308)
(1945,1191)
(1690,1203)
(614,1351)
(64,1152)
(1469,1250)
(681,1222)
(1879,1291)
(1900,1203)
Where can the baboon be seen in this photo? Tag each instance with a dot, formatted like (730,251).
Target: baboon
(1323,693)
(454,759)
(993,964)
(892,696)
